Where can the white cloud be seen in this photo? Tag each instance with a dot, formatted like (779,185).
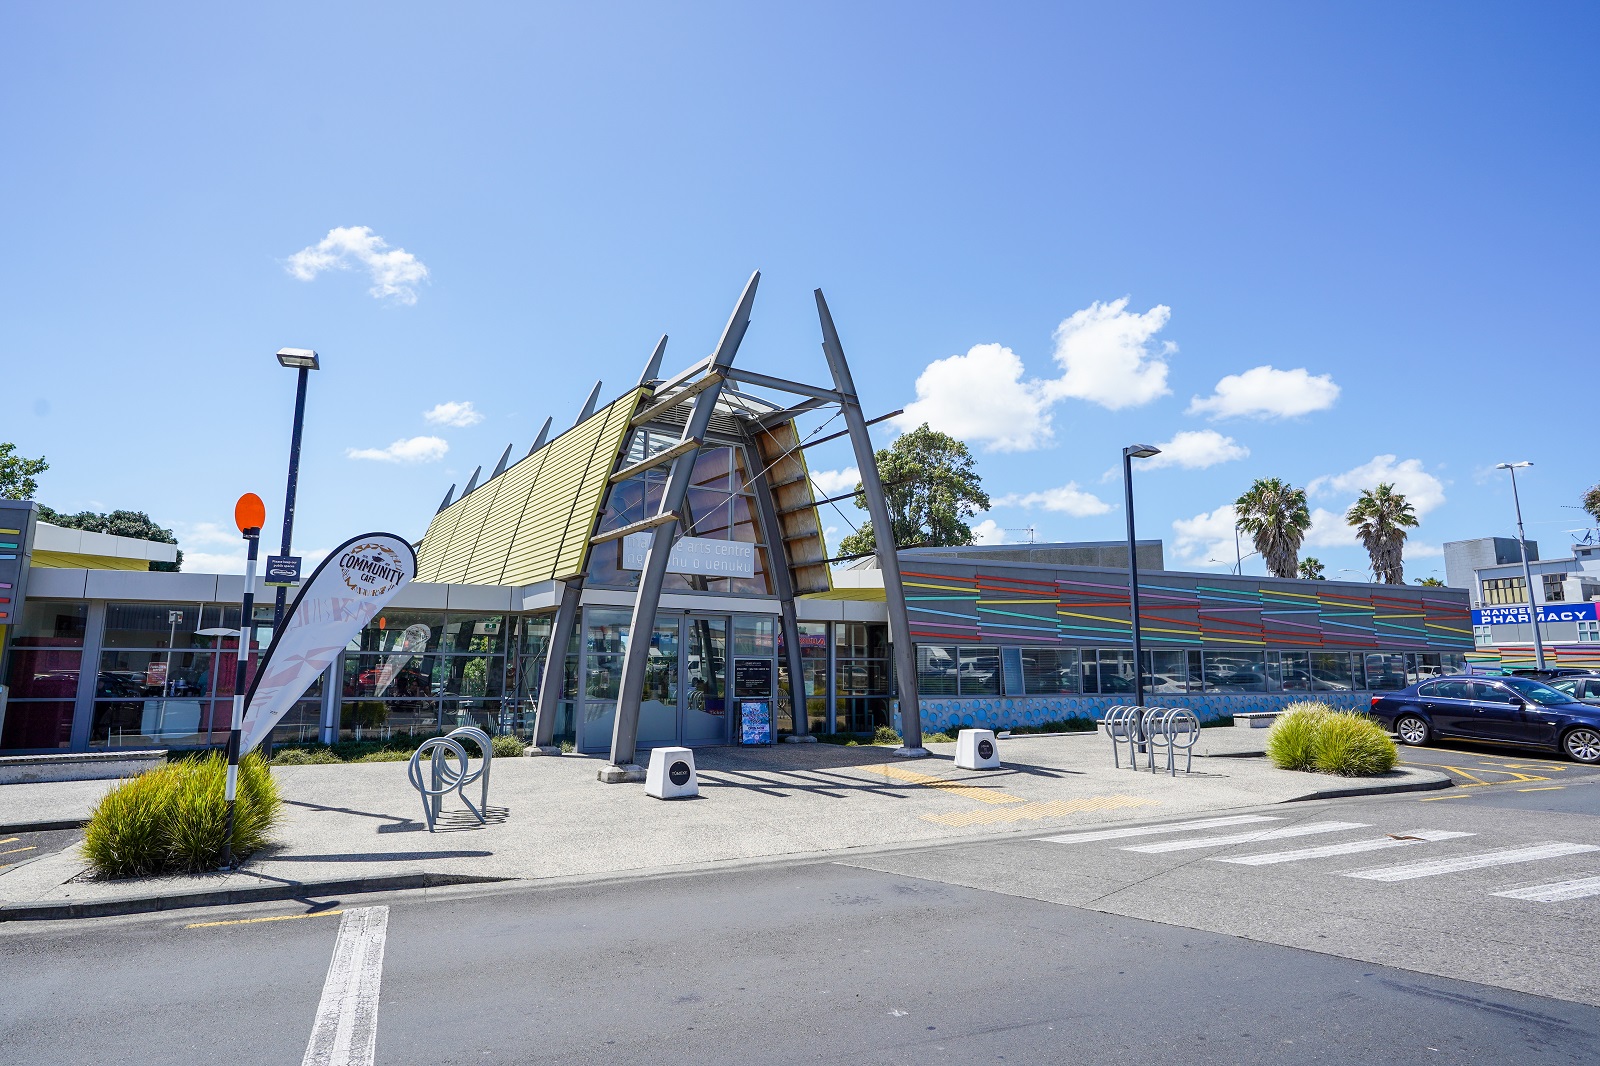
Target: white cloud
(206,534)
(988,532)
(1195,449)
(395,272)
(1107,355)
(1417,550)
(981,397)
(1424,491)
(1206,539)
(1329,530)
(834,482)
(1068,499)
(410,450)
(458,413)
(232,562)
(1267,392)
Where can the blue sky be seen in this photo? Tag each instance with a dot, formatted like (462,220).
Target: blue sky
(1390,206)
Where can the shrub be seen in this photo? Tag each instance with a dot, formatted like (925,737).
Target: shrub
(385,755)
(885,735)
(1291,741)
(507,746)
(171,819)
(305,757)
(1352,745)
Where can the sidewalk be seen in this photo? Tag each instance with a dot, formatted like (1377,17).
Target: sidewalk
(360,827)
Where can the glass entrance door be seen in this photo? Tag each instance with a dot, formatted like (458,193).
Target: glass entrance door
(658,705)
(705,705)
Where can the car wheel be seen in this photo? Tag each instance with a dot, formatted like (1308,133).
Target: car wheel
(1582,745)
(1411,729)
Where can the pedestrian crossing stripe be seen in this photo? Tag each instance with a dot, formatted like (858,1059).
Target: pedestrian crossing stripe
(1557,891)
(1398,840)
(1151,830)
(1550,849)
(1308,829)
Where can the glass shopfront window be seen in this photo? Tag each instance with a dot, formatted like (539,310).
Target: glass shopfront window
(420,672)
(861,677)
(1235,671)
(1172,672)
(979,671)
(46,656)
(1049,671)
(814,666)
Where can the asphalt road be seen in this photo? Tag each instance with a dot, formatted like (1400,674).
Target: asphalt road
(1031,950)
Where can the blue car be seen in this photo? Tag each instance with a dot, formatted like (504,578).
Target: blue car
(1498,710)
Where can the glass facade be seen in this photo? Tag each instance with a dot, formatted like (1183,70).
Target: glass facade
(46,663)
(860,676)
(988,670)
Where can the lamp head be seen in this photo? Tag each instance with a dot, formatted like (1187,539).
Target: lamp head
(1141,451)
(1512,466)
(298,358)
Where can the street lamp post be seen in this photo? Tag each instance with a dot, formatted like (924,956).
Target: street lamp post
(1129,454)
(1527,570)
(304,360)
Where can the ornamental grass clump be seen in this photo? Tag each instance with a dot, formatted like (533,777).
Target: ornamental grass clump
(171,819)
(1315,737)
(1352,745)
(1291,741)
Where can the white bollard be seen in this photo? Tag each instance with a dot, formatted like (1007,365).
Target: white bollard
(976,749)
(671,774)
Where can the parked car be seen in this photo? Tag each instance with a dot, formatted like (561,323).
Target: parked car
(1501,710)
(1582,687)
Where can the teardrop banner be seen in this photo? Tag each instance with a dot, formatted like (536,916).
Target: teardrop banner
(348,589)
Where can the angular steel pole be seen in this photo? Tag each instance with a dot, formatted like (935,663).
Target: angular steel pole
(625,729)
(788,621)
(905,653)
(1527,570)
(555,665)
(1133,582)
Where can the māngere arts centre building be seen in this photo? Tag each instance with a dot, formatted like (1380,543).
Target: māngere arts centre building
(682,506)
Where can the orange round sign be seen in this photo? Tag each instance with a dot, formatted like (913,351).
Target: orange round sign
(249,512)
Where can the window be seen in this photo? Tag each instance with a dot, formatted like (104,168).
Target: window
(1172,671)
(1498,591)
(1294,671)
(814,667)
(861,676)
(1330,671)
(1235,671)
(979,671)
(420,671)
(1554,587)
(46,655)
(1386,671)
(1422,665)
(1108,672)
(1481,636)
(1049,671)
(1588,631)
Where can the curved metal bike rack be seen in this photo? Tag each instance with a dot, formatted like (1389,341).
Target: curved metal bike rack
(1173,729)
(445,778)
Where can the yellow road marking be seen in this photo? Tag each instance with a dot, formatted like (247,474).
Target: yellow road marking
(270,918)
(1543,788)
(1451,796)
(955,788)
(1476,780)
(1030,812)
(10,840)
(13,851)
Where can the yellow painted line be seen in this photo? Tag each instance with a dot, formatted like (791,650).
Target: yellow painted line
(1451,796)
(13,851)
(1031,812)
(271,918)
(10,840)
(954,788)
(1476,780)
(1543,788)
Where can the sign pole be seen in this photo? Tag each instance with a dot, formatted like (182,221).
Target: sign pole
(250,514)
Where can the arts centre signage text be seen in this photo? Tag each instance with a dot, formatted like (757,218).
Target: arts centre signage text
(695,555)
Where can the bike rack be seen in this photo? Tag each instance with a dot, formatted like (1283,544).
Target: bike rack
(1174,729)
(447,778)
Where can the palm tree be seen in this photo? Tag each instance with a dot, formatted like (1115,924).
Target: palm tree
(1311,569)
(1274,513)
(1381,517)
(1430,582)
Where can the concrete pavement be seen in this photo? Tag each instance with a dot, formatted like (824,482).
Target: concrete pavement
(360,826)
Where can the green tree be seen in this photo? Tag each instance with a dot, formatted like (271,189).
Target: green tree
(17,473)
(1311,569)
(135,524)
(1274,513)
(932,488)
(1591,502)
(1381,517)
(1430,582)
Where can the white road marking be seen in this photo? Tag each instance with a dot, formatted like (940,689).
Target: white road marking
(1309,829)
(1270,858)
(346,1029)
(1557,891)
(1550,849)
(1151,830)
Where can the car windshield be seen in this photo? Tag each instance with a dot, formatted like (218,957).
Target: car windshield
(1537,691)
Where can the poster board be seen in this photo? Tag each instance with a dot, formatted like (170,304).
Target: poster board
(755,722)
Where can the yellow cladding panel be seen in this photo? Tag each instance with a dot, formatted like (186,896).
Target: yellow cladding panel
(494,539)
(533,522)
(76,561)
(436,542)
